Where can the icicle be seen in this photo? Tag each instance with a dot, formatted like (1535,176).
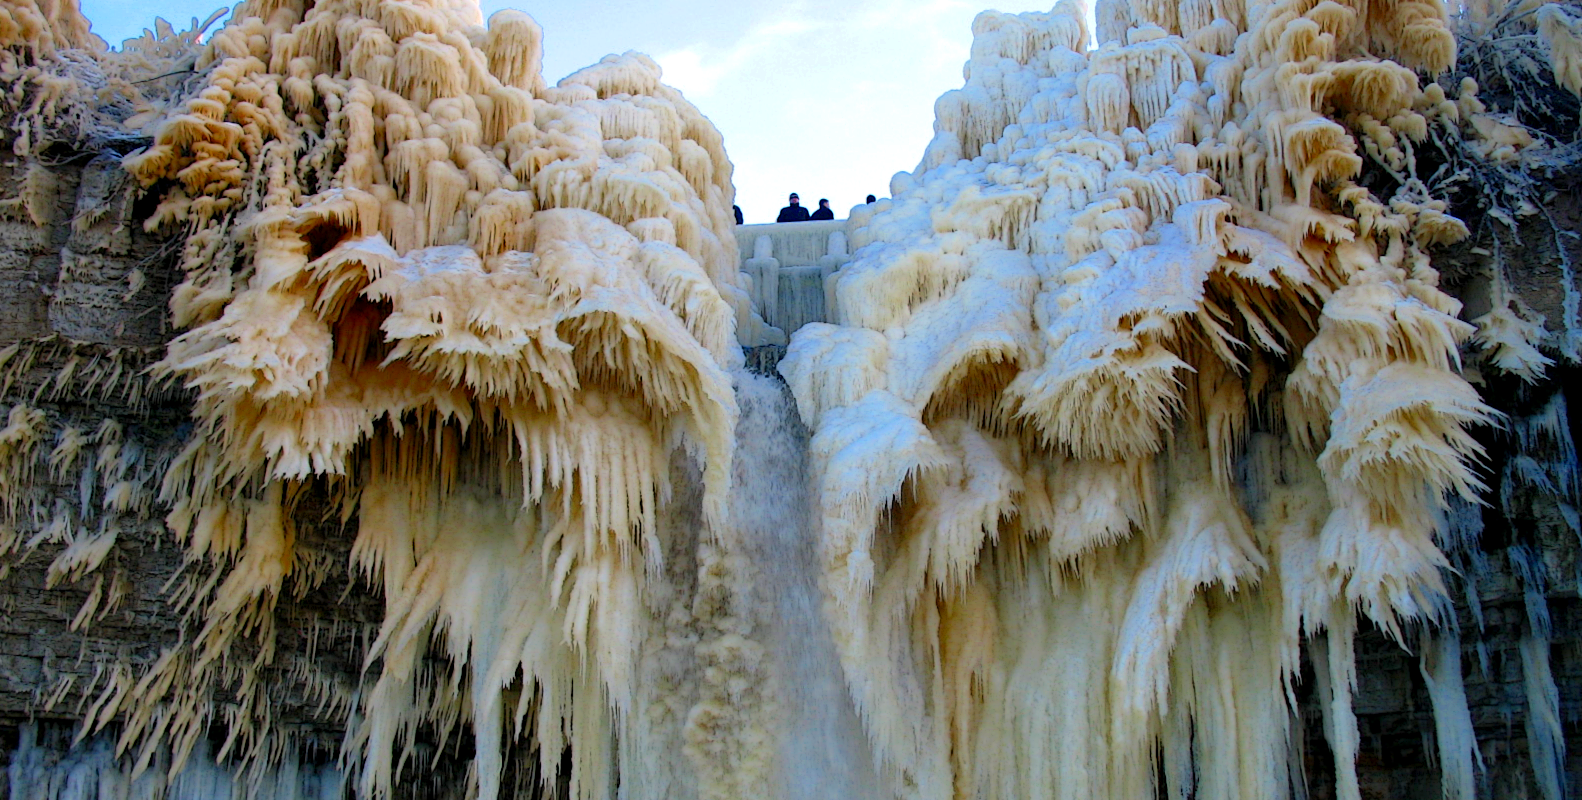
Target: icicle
(1545,738)
(1459,756)
(495,319)
(1134,387)
(1195,257)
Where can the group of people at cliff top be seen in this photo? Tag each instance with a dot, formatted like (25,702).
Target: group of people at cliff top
(795,212)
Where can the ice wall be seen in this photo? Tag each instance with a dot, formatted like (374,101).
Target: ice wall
(789,265)
(1140,392)
(482,319)
(1137,389)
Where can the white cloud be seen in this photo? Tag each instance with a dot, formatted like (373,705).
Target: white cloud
(686,70)
(697,69)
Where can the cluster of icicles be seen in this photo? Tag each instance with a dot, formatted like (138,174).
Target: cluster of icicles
(480,315)
(1135,392)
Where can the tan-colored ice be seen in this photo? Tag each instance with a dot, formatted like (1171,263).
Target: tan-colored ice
(482,312)
(1137,389)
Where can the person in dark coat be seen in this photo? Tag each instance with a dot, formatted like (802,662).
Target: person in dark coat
(823,211)
(738,211)
(794,212)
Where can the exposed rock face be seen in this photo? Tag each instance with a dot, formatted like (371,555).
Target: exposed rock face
(87,605)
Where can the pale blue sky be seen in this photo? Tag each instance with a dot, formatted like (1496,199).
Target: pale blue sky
(826,99)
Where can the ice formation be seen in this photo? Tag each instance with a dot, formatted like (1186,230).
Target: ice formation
(1138,396)
(1561,27)
(1136,390)
(482,316)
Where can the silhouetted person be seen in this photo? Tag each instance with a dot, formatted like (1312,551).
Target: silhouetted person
(738,210)
(823,211)
(871,200)
(794,212)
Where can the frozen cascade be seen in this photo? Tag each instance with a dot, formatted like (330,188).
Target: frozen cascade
(823,753)
(1137,403)
(791,243)
(790,266)
(819,748)
(48,765)
(801,297)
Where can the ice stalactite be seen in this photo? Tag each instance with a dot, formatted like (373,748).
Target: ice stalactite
(1539,493)
(1561,28)
(482,318)
(1544,733)
(1440,650)
(1511,334)
(1135,388)
(1545,737)
(1141,394)
(1460,760)
(1543,467)
(45,766)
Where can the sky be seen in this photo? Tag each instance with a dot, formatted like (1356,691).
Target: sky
(827,99)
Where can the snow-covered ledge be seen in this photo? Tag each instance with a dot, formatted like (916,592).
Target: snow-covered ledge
(790,264)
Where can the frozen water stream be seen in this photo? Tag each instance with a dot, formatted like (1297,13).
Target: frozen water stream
(823,753)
